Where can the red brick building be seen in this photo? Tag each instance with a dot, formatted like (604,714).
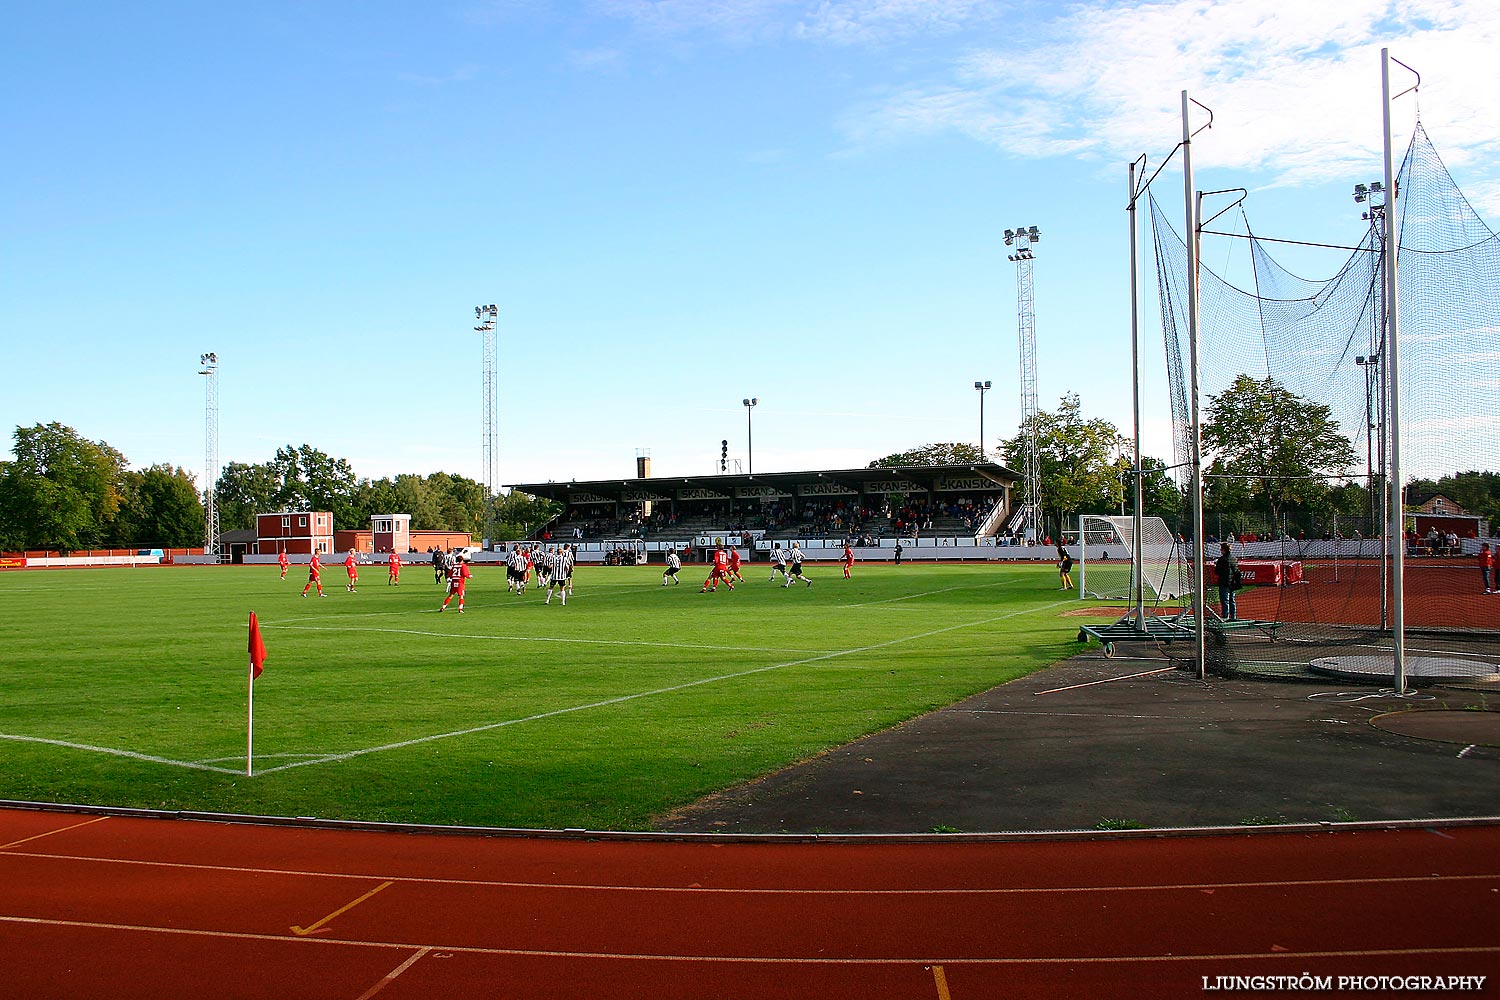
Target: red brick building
(295,532)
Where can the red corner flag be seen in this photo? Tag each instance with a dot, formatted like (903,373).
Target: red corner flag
(257,648)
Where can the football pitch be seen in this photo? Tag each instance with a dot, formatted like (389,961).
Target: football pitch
(127,687)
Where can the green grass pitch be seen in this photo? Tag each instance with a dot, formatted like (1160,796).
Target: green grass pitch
(127,687)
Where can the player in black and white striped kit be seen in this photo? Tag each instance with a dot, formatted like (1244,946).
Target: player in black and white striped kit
(796,569)
(515,570)
(674,566)
(557,570)
(778,562)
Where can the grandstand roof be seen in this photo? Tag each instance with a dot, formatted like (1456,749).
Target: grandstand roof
(966,476)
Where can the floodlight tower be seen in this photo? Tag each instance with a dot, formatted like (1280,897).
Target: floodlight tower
(209,368)
(490,433)
(1023,238)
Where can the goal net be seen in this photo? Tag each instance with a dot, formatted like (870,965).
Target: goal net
(624,552)
(1106,567)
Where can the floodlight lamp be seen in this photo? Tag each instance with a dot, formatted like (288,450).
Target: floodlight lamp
(1033,233)
(1010,234)
(478,311)
(1377,186)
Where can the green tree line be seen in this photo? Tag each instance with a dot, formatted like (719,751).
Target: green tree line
(64,492)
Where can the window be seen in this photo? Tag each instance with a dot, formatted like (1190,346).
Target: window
(302,521)
(286,522)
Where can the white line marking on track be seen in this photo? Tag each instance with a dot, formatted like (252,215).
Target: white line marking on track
(390,977)
(756,959)
(734,890)
(50,833)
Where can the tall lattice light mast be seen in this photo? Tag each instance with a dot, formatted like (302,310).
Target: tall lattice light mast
(1022,238)
(210,370)
(487,316)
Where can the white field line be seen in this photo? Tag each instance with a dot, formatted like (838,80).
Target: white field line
(928,593)
(543,638)
(438,592)
(334,758)
(348,755)
(118,753)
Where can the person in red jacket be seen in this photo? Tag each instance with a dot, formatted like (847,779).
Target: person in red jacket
(394,562)
(1486,564)
(848,560)
(283,562)
(458,575)
(719,572)
(314,576)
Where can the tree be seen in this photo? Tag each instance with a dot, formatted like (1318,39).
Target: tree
(952,453)
(1078,461)
(244,491)
(161,508)
(61,491)
(1270,447)
(517,514)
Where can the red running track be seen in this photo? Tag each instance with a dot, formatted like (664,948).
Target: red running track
(124,907)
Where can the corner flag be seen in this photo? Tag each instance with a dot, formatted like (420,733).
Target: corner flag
(257,648)
(257,661)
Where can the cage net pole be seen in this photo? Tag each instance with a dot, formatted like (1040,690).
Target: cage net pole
(1137,596)
(1196,447)
(1393,367)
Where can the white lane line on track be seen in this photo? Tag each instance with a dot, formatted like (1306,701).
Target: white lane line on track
(348,755)
(734,890)
(923,960)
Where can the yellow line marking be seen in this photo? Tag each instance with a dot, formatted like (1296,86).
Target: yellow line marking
(342,909)
(753,891)
(941,979)
(757,960)
(391,976)
(27,840)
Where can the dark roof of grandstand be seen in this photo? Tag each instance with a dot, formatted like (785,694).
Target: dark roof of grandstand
(989,475)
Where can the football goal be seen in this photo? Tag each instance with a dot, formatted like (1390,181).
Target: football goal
(1108,545)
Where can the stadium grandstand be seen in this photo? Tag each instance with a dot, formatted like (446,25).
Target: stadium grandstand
(929,507)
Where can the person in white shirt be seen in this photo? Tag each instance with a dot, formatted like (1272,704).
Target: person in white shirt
(674,565)
(796,568)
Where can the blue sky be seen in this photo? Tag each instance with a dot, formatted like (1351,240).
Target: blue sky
(674,204)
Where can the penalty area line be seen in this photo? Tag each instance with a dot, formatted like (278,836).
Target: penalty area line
(671,689)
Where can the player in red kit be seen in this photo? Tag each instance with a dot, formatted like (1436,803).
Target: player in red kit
(314,576)
(283,562)
(351,567)
(734,565)
(394,562)
(457,577)
(719,572)
(848,560)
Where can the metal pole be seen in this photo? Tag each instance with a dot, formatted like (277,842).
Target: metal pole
(1137,559)
(1191,206)
(1393,366)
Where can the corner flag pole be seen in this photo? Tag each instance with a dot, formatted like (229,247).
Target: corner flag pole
(257,663)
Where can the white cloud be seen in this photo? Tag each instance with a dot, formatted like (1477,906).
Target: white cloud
(862,22)
(1295,88)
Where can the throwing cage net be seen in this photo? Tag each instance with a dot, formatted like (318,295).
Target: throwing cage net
(1295,389)
(1107,565)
